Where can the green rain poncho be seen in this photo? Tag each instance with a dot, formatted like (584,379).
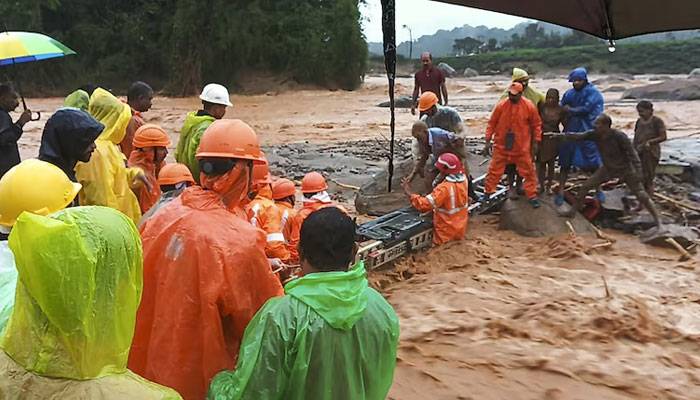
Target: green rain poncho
(79,99)
(8,280)
(80,281)
(190,135)
(330,337)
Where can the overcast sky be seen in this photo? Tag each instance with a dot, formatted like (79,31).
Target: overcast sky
(426,17)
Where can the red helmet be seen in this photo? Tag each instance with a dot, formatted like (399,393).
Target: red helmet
(449,163)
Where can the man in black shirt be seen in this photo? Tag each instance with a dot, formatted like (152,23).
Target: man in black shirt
(620,160)
(10,132)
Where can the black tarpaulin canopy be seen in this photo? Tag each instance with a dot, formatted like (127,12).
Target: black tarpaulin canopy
(607,19)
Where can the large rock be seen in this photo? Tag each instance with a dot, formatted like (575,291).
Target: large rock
(614,79)
(695,74)
(399,102)
(518,216)
(446,69)
(675,89)
(373,198)
(470,73)
(681,155)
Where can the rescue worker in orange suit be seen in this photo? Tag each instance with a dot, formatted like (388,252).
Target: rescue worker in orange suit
(150,149)
(284,195)
(264,214)
(516,128)
(449,201)
(205,270)
(173,179)
(313,188)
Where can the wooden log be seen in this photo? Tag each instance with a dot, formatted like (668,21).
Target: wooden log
(684,253)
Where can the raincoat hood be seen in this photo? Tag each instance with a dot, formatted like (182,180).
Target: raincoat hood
(192,120)
(188,144)
(578,74)
(339,297)
(79,99)
(519,74)
(80,281)
(67,134)
(112,113)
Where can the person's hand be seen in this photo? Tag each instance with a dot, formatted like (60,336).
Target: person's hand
(487,149)
(646,145)
(25,117)
(413,110)
(141,180)
(535,149)
(277,265)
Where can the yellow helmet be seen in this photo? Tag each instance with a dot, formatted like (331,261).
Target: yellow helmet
(34,186)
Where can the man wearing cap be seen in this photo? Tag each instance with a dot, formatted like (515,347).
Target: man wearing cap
(215,99)
(516,128)
(429,79)
(583,103)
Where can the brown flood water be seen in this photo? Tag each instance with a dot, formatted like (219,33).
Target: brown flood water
(499,316)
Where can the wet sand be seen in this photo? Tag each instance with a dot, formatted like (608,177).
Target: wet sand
(499,316)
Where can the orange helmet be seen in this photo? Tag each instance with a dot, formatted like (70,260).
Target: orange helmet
(150,135)
(230,138)
(449,163)
(427,101)
(313,182)
(283,188)
(261,173)
(172,174)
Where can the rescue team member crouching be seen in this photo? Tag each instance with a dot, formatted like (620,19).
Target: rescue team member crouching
(449,200)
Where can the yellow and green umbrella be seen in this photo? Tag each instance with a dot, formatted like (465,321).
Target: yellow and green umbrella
(22,47)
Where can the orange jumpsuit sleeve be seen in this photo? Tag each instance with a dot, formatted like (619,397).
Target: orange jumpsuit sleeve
(493,121)
(431,201)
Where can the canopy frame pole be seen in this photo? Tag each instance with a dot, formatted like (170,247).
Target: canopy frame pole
(389,31)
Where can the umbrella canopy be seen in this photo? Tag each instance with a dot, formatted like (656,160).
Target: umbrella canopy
(607,19)
(21,47)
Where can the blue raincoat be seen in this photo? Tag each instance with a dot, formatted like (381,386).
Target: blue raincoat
(585,106)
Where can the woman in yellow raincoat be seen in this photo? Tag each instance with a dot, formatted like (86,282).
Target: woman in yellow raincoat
(80,281)
(106,180)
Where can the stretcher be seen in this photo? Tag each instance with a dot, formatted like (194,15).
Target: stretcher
(405,231)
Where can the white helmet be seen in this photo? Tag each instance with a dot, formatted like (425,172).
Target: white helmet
(215,93)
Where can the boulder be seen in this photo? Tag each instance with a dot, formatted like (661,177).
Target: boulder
(614,79)
(470,73)
(694,74)
(518,216)
(681,155)
(373,198)
(446,69)
(675,89)
(615,88)
(399,102)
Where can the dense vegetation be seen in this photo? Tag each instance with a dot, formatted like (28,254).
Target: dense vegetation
(178,45)
(673,57)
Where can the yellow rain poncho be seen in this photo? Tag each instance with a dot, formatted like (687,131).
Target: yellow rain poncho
(105,178)
(530,93)
(80,282)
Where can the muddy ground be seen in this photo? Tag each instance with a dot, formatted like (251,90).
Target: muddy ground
(497,316)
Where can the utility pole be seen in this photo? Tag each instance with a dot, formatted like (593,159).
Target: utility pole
(410,43)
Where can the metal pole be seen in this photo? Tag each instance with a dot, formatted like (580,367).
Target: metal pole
(389,31)
(410,43)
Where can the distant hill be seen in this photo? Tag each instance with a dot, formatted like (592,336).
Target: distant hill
(440,43)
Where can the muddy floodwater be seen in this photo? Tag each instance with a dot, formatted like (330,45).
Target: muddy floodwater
(496,316)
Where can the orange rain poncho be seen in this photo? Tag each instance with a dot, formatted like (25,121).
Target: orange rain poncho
(205,277)
(264,214)
(449,202)
(106,180)
(521,121)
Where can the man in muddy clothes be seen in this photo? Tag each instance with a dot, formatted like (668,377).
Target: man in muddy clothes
(620,160)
